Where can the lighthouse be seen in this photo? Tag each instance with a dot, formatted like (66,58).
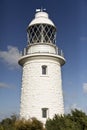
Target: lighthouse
(41,91)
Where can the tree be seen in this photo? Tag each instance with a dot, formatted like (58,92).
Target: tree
(31,124)
(8,123)
(13,123)
(77,120)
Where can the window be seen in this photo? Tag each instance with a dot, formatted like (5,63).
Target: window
(44,112)
(42,33)
(44,69)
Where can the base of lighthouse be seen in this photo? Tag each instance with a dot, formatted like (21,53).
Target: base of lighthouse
(41,94)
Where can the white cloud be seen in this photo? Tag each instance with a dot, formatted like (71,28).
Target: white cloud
(10,56)
(83,38)
(7,86)
(4,85)
(85,87)
(73,106)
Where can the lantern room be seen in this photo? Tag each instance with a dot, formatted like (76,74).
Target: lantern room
(41,29)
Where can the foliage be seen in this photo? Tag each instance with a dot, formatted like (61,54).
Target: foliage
(77,120)
(13,123)
(8,123)
(31,124)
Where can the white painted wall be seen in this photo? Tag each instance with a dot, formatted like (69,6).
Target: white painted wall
(41,91)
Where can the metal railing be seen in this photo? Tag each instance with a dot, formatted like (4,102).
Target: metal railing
(57,52)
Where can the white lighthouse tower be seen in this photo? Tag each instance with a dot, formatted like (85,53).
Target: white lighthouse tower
(41,92)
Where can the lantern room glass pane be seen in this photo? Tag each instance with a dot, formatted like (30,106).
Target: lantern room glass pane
(42,33)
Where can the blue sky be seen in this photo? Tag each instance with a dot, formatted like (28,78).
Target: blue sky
(70,18)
